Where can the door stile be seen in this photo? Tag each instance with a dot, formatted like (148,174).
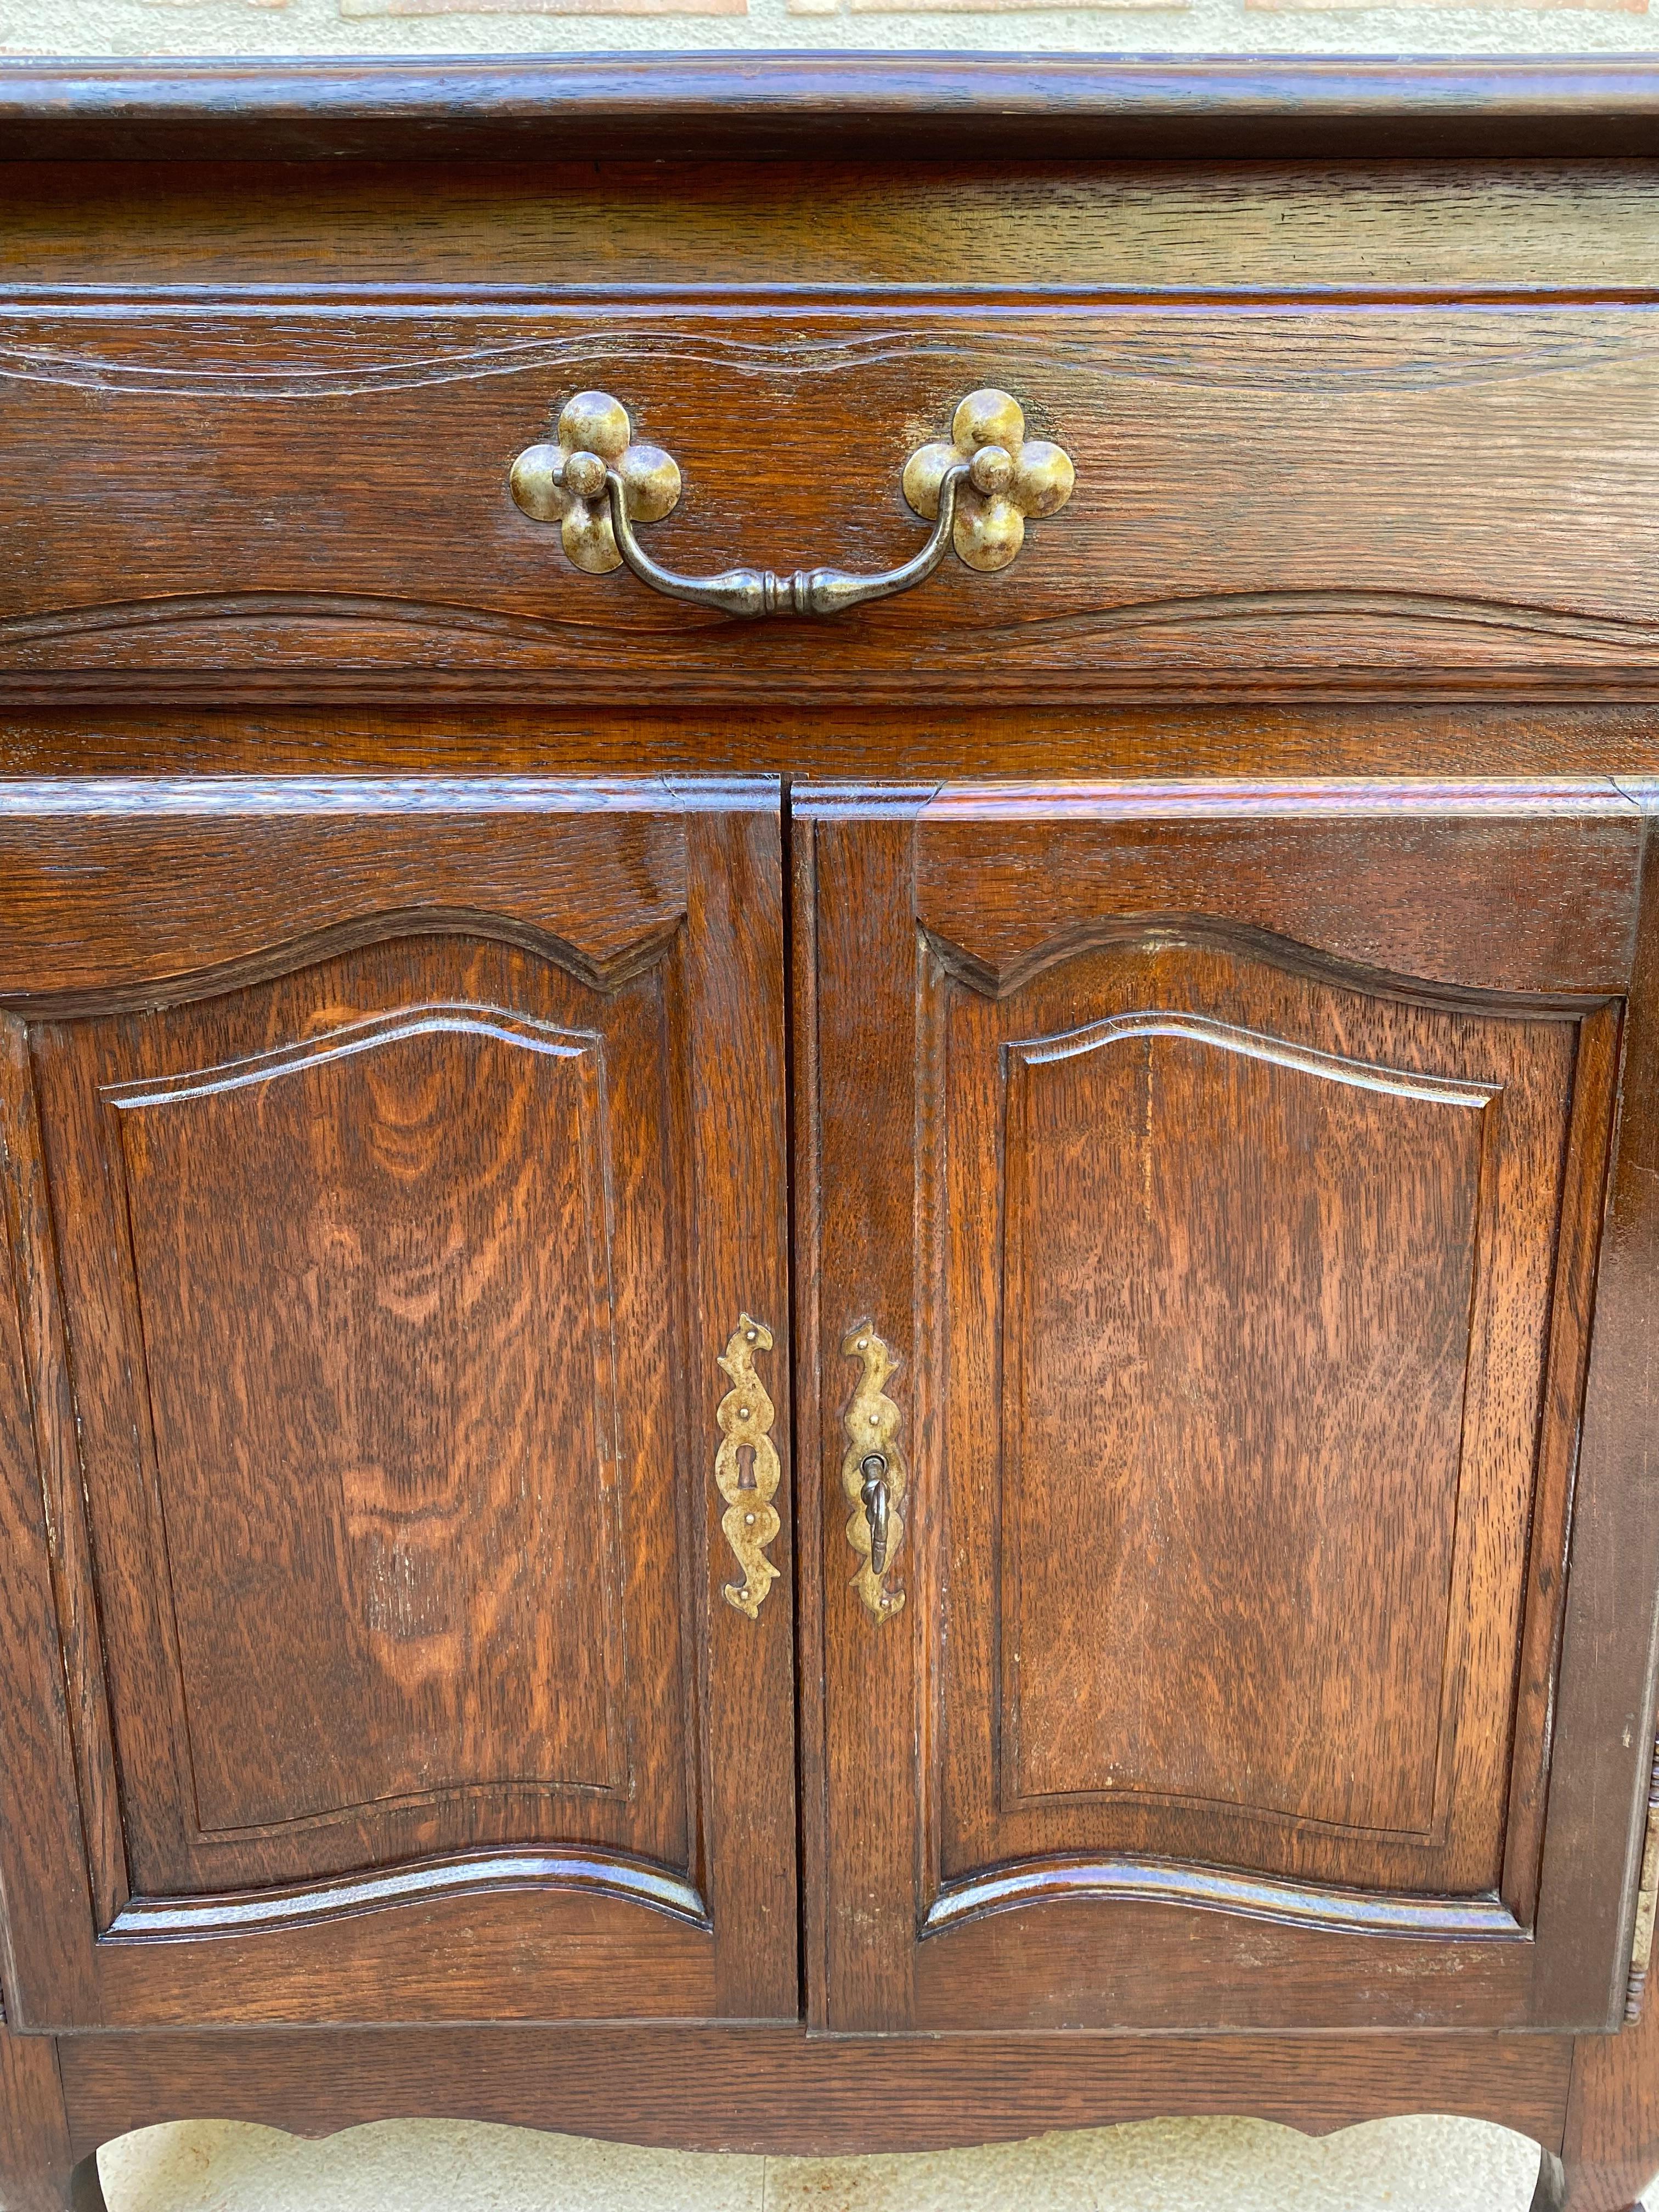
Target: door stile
(49,1896)
(738,1143)
(1604,1701)
(811,1608)
(1586,1182)
(858,1079)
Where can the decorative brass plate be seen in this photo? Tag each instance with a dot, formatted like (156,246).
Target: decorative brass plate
(747,1484)
(873,1474)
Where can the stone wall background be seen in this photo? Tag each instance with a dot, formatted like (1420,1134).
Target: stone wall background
(1420,2165)
(278,28)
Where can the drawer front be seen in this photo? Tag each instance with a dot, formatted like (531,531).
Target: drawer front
(1319,491)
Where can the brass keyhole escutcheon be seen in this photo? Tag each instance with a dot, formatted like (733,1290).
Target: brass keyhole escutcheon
(872,1473)
(746,1467)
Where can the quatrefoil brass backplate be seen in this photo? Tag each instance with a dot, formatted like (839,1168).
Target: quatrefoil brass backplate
(564,481)
(1012,478)
(979,488)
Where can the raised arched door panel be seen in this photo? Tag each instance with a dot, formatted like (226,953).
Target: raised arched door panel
(389,1165)
(1223,1172)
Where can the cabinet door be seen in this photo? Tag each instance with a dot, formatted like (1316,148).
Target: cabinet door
(388,1168)
(1207,1186)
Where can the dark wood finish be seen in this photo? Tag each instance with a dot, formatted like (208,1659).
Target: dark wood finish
(1362,874)
(35,2153)
(1611,2144)
(1365,501)
(1256,1184)
(778,2090)
(1610,2150)
(1291,474)
(954,232)
(1483,514)
(773,104)
(1606,1688)
(392,1157)
(926,746)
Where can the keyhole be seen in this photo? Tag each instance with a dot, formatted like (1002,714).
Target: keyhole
(745,1466)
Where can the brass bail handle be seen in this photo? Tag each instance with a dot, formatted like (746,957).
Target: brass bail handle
(978,489)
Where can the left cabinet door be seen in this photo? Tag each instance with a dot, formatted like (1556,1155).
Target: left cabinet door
(395,1620)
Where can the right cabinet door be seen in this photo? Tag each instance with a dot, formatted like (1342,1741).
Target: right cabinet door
(1237,1580)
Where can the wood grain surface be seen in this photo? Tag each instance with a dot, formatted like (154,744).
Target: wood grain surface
(379,1255)
(778,2090)
(1221,963)
(36,2158)
(1372,875)
(1611,2146)
(767,105)
(1175,1178)
(397,1511)
(1605,1695)
(1301,487)
(1196,739)
(1333,426)
(551,229)
(1191,1332)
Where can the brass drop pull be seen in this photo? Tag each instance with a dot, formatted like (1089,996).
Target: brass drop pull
(978,489)
(873,1474)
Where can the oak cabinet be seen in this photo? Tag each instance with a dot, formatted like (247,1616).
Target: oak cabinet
(841,1382)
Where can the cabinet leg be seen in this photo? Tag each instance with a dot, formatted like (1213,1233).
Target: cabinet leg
(1551,2193)
(34,2139)
(86,2192)
(1610,2151)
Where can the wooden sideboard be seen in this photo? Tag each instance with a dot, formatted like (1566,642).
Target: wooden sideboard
(829,1100)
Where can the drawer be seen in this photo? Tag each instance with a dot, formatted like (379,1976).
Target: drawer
(1319,491)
